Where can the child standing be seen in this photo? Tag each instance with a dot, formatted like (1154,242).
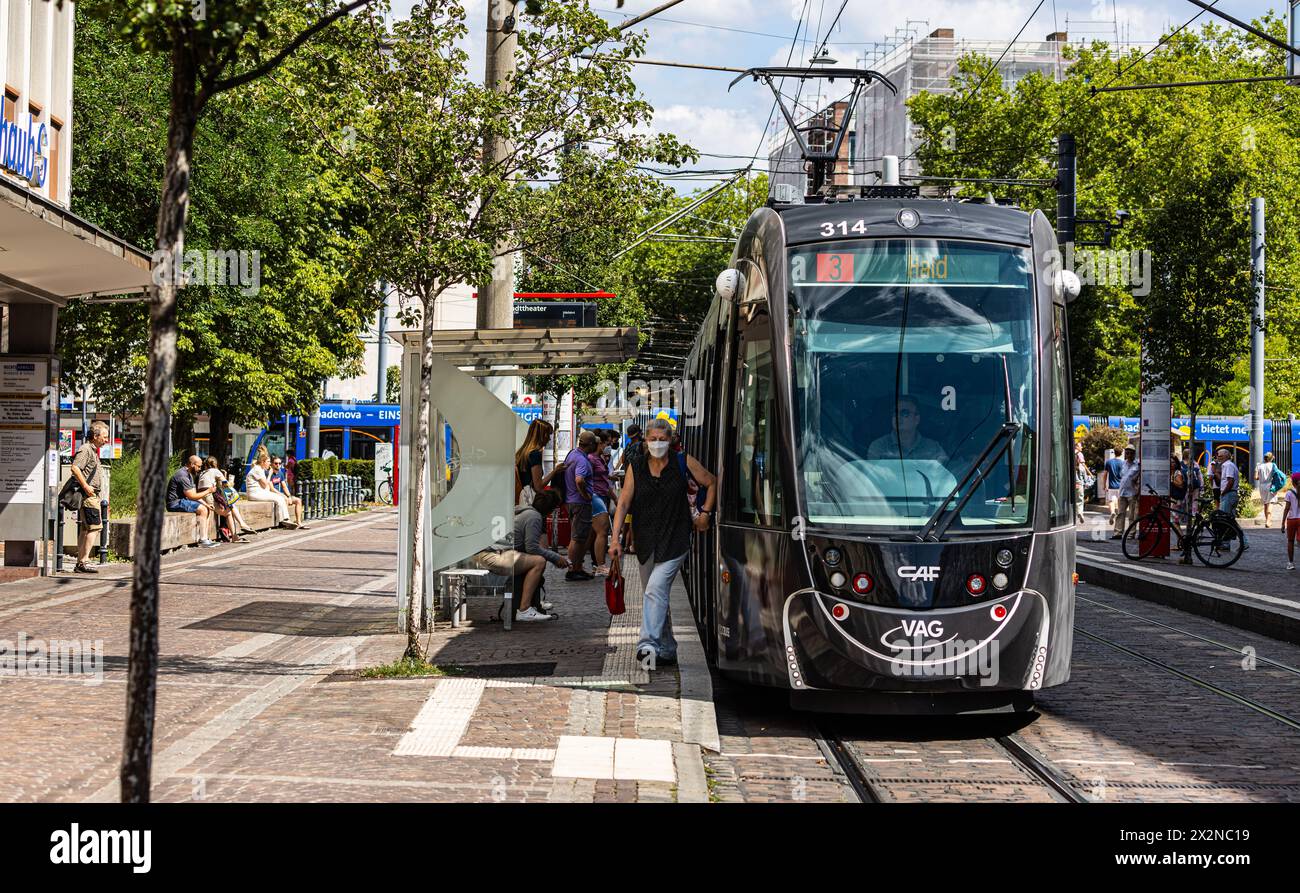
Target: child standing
(1291,519)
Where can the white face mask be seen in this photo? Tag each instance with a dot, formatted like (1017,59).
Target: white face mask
(658,448)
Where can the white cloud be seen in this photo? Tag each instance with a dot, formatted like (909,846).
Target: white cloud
(711,129)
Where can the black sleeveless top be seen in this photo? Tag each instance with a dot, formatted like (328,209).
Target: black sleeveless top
(661,516)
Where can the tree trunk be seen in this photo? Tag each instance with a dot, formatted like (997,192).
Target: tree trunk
(142,670)
(419,463)
(218,434)
(182,431)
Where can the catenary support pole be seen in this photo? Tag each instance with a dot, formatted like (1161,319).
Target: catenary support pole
(381,386)
(1257,337)
(1066,189)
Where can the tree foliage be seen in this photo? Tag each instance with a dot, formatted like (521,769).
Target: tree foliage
(258,186)
(1152,152)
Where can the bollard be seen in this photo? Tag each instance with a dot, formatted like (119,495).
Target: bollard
(58,538)
(103,531)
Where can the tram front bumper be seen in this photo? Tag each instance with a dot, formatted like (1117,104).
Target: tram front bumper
(836,643)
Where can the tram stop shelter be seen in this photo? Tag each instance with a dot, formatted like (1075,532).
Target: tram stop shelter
(474,435)
(48,256)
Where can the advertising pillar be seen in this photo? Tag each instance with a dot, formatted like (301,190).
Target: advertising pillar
(1153,451)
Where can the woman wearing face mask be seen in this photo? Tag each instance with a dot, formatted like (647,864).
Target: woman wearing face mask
(654,491)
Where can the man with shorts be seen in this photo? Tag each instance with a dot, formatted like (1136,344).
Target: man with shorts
(1230,488)
(85,473)
(183,495)
(577,496)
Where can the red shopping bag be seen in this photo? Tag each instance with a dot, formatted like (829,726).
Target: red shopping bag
(614,590)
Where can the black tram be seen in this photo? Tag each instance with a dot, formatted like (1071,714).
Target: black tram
(885,397)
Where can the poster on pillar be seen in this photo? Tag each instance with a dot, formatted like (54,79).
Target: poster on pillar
(1153,457)
(1154,440)
(23,434)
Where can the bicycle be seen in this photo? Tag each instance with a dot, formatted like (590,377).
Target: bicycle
(384,492)
(1216,538)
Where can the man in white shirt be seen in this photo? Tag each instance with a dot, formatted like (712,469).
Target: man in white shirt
(905,441)
(1230,488)
(1130,486)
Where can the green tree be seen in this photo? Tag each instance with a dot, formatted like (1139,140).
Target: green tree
(1196,321)
(242,354)
(211,49)
(393,384)
(441,209)
(1146,152)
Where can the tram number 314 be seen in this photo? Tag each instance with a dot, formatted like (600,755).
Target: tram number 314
(843,228)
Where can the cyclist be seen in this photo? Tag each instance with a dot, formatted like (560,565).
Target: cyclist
(1291,518)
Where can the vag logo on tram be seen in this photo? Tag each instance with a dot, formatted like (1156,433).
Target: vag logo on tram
(928,573)
(933,629)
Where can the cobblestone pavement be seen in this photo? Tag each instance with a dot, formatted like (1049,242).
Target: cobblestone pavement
(1121,730)
(1261,568)
(259,700)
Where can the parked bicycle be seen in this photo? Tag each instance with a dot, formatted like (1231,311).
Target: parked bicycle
(385,490)
(1215,537)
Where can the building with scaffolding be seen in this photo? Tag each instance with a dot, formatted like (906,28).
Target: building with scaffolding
(882,125)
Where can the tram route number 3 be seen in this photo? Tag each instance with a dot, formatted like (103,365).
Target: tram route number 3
(834,267)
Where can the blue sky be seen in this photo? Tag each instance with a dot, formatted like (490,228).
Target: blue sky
(696,105)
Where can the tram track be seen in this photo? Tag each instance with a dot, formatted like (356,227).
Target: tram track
(837,754)
(1277,665)
(869,788)
(1243,700)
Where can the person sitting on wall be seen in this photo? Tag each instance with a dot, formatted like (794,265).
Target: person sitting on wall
(183,495)
(279,479)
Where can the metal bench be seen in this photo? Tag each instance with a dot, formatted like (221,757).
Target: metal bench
(457,584)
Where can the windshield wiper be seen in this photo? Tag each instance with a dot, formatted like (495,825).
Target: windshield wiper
(997,445)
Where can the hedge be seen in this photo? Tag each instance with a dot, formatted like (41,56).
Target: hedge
(315,469)
(319,469)
(362,468)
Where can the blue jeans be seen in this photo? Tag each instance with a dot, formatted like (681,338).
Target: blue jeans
(656,623)
(1228,503)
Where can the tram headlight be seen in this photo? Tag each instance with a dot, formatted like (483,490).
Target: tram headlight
(976,584)
(908,218)
(832,557)
(862,583)
(1004,557)
(838,580)
(1000,581)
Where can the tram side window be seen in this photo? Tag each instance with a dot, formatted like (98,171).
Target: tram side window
(756,497)
(1062,484)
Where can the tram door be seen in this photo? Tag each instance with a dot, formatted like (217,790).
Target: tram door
(755,533)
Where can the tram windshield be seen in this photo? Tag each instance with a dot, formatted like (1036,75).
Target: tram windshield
(909,356)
